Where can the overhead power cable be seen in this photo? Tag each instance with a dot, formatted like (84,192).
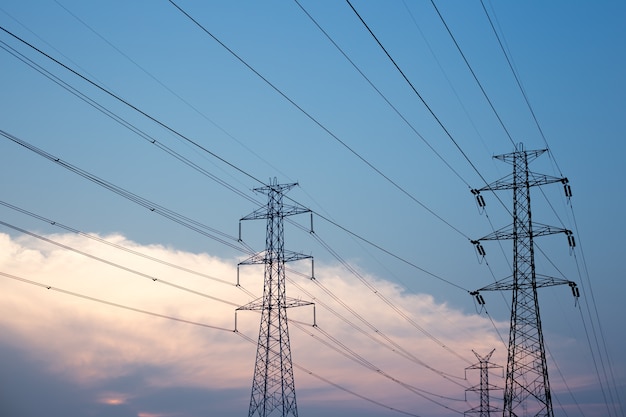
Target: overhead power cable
(382,249)
(480,85)
(110,303)
(116,265)
(125,123)
(173,153)
(519,84)
(194,225)
(388,302)
(162,84)
(376,335)
(120,247)
(354,356)
(340,387)
(394,108)
(133,107)
(317,122)
(430,110)
(243,336)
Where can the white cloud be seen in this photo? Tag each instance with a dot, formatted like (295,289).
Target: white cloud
(89,342)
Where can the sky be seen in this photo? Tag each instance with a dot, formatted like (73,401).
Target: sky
(133,135)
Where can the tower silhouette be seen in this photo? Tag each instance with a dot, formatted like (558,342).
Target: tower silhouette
(483,365)
(527,387)
(273,387)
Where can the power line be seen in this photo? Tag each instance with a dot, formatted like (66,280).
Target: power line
(173,153)
(123,122)
(317,122)
(153,207)
(430,110)
(110,303)
(519,84)
(243,336)
(133,107)
(117,246)
(394,108)
(116,265)
(482,89)
(153,77)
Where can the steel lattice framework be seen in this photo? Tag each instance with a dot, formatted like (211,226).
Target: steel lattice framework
(527,388)
(483,365)
(273,387)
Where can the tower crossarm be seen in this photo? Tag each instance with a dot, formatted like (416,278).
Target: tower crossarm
(263,257)
(508,182)
(509,233)
(287,210)
(257,305)
(508,284)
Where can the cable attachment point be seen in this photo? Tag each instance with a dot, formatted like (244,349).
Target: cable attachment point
(479,199)
(570,240)
(575,291)
(479,298)
(567,188)
(479,248)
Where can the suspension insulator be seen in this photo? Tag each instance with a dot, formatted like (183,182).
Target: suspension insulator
(479,248)
(566,187)
(570,240)
(481,201)
(479,298)
(568,190)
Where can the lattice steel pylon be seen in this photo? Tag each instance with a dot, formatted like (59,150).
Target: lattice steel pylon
(527,388)
(273,387)
(485,408)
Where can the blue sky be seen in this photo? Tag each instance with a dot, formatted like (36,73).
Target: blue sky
(301,112)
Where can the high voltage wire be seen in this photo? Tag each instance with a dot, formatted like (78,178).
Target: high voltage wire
(393,346)
(317,122)
(163,316)
(404,119)
(387,301)
(152,140)
(110,303)
(354,356)
(350,353)
(120,247)
(482,89)
(116,265)
(340,387)
(544,139)
(133,107)
(387,342)
(153,207)
(446,131)
(149,74)
(519,84)
(552,157)
(430,110)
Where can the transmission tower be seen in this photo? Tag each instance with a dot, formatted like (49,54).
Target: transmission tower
(527,388)
(273,383)
(483,365)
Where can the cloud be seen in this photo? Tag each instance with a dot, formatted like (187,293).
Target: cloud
(404,336)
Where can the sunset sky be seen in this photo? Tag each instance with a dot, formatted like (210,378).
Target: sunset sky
(132,136)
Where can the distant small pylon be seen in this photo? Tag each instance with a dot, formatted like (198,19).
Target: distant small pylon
(483,365)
